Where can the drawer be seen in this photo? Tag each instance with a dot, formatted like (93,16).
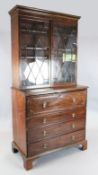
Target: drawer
(55,102)
(54,143)
(36,134)
(43,120)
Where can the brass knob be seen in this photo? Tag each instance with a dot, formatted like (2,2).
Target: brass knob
(73,138)
(73,115)
(44,121)
(73,126)
(45,133)
(45,146)
(74,100)
(44,104)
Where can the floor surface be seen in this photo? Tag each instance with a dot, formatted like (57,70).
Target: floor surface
(70,161)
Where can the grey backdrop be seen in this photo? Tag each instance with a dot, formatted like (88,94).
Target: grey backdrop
(87,45)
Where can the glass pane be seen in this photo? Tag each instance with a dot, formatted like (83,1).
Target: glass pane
(64,53)
(34,55)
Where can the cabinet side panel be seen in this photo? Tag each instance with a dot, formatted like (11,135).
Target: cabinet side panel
(15,49)
(19,123)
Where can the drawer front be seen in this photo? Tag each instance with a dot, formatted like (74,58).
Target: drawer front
(55,102)
(43,120)
(36,134)
(54,143)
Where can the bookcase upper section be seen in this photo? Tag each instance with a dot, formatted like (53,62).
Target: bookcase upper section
(44,48)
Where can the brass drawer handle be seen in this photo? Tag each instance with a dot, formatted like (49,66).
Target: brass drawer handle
(73,115)
(44,104)
(44,121)
(45,146)
(73,138)
(45,133)
(73,126)
(74,100)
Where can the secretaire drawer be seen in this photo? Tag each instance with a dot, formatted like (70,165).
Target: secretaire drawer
(54,143)
(43,120)
(37,134)
(54,102)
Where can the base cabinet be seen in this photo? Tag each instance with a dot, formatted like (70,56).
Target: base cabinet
(39,130)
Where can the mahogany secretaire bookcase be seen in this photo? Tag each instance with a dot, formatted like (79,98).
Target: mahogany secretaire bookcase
(49,108)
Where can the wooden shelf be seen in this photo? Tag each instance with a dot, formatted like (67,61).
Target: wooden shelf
(31,57)
(35,48)
(34,31)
